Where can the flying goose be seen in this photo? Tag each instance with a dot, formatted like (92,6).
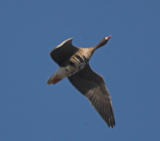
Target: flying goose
(74,64)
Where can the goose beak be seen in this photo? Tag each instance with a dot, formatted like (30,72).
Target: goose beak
(108,37)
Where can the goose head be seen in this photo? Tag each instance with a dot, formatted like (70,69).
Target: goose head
(103,42)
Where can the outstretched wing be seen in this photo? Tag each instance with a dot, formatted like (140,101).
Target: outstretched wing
(93,87)
(63,52)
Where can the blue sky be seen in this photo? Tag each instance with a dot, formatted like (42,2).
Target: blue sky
(30,110)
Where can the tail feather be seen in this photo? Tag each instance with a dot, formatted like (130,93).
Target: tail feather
(54,79)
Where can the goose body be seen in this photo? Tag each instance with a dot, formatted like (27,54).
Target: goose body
(74,64)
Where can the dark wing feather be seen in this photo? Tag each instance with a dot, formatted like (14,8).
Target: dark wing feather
(63,52)
(93,87)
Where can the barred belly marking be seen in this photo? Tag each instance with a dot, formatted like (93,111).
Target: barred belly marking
(76,64)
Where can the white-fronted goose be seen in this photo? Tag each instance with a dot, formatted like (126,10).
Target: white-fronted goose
(73,64)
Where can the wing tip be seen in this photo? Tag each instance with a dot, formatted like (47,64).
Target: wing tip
(111,120)
(111,124)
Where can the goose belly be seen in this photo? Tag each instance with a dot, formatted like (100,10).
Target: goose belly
(76,63)
(72,69)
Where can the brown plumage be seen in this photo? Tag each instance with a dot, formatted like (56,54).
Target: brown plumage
(73,64)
